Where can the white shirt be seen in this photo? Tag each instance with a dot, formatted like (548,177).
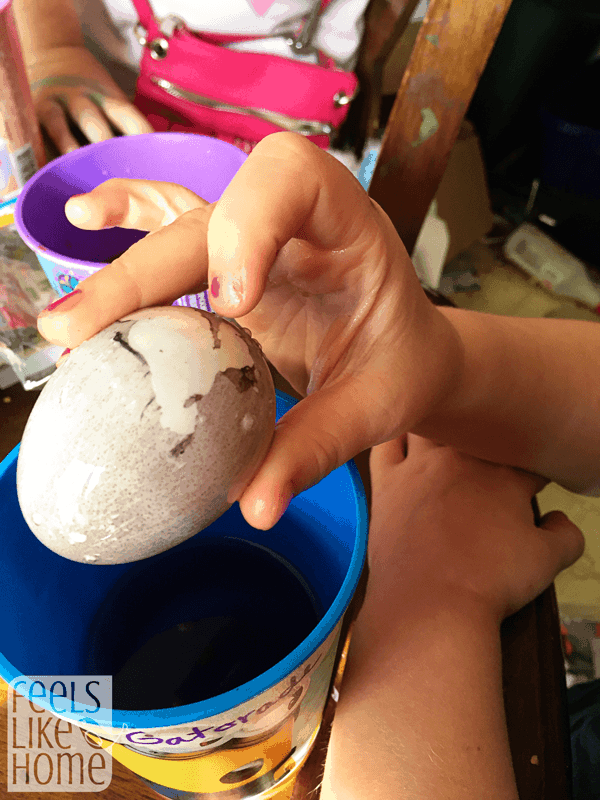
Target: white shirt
(110,25)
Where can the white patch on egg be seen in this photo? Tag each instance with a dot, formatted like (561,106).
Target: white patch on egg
(163,342)
(247,422)
(130,408)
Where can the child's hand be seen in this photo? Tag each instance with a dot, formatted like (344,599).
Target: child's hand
(298,253)
(450,529)
(69,85)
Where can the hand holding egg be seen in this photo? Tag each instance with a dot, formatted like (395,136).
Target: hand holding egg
(296,251)
(147,433)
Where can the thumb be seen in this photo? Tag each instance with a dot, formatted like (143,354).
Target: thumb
(566,541)
(317,435)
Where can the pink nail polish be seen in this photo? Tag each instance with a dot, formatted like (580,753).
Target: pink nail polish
(61,300)
(62,357)
(215,286)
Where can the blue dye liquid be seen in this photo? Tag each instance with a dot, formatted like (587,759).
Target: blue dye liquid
(199,623)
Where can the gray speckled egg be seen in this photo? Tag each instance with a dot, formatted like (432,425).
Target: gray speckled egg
(137,440)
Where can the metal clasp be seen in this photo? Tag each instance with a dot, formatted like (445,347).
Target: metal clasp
(341,99)
(301,43)
(159,47)
(169,24)
(141,34)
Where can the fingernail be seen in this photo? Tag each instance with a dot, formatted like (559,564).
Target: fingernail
(63,300)
(215,286)
(277,509)
(76,212)
(233,292)
(62,357)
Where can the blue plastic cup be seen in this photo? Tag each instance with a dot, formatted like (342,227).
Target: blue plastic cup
(62,617)
(68,254)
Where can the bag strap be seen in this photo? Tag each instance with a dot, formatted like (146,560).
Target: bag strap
(146,15)
(152,25)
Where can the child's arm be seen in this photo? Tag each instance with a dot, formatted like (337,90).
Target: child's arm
(46,24)
(529,396)
(421,711)
(453,550)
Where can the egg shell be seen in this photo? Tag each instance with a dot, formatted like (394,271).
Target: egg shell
(137,440)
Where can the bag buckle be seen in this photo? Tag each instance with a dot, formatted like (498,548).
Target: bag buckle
(141,34)
(341,99)
(159,47)
(169,24)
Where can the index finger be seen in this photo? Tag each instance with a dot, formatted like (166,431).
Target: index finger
(287,188)
(165,265)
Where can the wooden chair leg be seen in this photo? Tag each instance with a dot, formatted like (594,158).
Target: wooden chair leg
(385,22)
(450,52)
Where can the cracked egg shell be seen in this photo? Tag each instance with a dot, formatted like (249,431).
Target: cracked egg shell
(137,440)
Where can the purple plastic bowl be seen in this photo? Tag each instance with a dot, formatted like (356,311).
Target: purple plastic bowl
(68,254)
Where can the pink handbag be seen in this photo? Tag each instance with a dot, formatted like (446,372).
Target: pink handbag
(190,82)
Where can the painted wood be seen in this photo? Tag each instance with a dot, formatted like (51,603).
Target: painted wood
(450,52)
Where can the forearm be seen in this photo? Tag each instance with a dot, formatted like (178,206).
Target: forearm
(421,711)
(45,24)
(528,396)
